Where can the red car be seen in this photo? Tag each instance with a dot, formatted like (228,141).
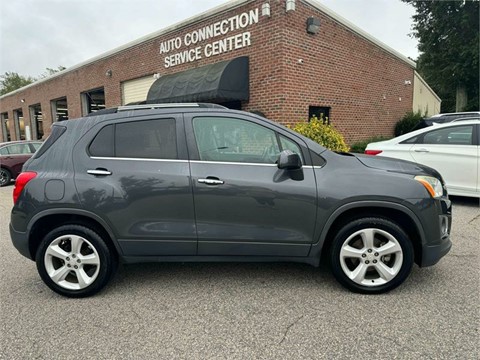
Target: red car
(13,155)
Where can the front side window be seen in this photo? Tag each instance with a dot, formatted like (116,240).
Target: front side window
(237,140)
(458,135)
(288,144)
(150,139)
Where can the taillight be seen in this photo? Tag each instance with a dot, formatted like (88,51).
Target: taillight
(20,183)
(373,152)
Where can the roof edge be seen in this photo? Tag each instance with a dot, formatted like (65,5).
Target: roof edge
(426,85)
(191,20)
(341,20)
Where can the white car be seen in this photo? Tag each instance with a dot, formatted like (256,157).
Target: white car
(452,149)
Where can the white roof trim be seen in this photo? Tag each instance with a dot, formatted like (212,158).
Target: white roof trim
(427,86)
(341,20)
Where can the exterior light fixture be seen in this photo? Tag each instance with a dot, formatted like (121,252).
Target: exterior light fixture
(266,9)
(156,76)
(313,25)
(290,5)
(408,82)
(108,73)
(22,100)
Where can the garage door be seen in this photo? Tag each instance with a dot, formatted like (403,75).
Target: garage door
(136,90)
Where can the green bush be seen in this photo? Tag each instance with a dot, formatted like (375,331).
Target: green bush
(324,134)
(359,147)
(407,123)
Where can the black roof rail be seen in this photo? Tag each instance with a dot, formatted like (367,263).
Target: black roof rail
(102,112)
(169,105)
(143,106)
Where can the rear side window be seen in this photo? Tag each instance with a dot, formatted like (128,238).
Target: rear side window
(102,145)
(458,135)
(57,131)
(149,139)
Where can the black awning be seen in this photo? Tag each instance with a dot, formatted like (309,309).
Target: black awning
(220,82)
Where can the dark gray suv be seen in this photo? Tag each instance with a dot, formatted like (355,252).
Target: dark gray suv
(198,182)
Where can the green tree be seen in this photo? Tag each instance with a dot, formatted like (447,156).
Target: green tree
(11,81)
(50,71)
(448,35)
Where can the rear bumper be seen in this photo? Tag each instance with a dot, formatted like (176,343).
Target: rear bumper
(20,241)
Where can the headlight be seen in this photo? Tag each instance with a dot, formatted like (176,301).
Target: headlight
(432,184)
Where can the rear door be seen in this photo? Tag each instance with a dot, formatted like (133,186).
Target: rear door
(453,151)
(244,204)
(134,173)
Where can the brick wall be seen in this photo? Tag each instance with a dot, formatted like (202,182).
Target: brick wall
(361,82)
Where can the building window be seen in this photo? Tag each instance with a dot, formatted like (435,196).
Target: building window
(5,127)
(93,101)
(59,109)
(19,124)
(321,112)
(36,119)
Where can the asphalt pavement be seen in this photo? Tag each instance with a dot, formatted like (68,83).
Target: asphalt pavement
(245,311)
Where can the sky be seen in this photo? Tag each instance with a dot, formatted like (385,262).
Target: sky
(36,34)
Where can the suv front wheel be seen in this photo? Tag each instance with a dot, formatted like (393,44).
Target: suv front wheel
(75,261)
(371,255)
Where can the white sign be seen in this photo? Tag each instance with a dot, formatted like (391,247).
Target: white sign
(220,28)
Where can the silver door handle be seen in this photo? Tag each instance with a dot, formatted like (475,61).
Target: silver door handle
(421,150)
(210,181)
(99,172)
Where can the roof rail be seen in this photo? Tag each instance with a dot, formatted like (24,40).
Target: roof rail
(169,105)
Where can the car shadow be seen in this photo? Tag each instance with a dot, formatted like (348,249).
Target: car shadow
(171,275)
(465,201)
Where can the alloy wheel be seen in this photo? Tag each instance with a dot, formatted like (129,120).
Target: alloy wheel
(72,262)
(371,257)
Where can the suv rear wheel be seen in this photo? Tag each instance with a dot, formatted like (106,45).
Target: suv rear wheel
(75,261)
(371,255)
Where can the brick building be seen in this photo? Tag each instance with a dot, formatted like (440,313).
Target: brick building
(287,59)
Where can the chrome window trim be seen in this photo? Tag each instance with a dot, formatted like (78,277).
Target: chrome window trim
(230,163)
(138,159)
(248,164)
(198,162)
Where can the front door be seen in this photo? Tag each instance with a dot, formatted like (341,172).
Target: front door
(244,204)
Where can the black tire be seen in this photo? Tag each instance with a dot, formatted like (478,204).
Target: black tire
(5,177)
(92,248)
(349,264)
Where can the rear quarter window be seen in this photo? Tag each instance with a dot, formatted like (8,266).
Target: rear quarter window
(57,132)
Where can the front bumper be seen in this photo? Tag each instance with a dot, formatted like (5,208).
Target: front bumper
(437,233)
(432,254)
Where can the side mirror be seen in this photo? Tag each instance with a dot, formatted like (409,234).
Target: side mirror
(288,160)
